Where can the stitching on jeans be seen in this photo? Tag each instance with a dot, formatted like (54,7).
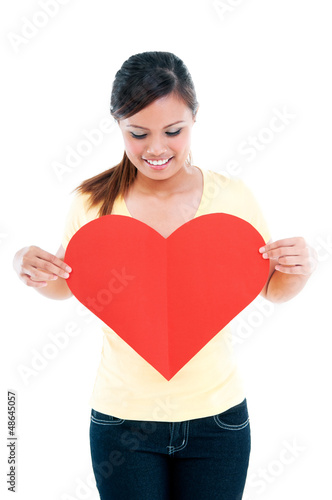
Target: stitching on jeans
(185,441)
(230,427)
(106,422)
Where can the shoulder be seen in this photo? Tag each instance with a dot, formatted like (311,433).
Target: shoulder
(80,207)
(230,195)
(78,215)
(233,186)
(233,196)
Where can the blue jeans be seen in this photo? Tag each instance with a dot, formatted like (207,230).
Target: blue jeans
(200,459)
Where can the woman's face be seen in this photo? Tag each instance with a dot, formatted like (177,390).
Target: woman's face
(159,132)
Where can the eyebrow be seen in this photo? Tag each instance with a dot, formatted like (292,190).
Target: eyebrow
(144,128)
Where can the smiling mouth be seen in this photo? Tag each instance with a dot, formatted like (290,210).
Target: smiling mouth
(158,164)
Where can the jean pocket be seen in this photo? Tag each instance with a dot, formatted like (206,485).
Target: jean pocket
(234,419)
(103,419)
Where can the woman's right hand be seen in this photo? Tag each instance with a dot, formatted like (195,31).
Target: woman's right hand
(36,267)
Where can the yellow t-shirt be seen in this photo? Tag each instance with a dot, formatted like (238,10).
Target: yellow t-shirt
(126,385)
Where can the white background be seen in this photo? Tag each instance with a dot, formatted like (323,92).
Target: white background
(256,57)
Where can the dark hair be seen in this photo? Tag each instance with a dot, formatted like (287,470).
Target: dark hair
(142,79)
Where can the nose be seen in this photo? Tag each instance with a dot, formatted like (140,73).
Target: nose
(156,148)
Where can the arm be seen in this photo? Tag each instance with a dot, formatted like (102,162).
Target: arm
(292,262)
(43,271)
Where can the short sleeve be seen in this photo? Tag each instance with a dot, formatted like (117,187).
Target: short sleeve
(254,214)
(234,197)
(76,218)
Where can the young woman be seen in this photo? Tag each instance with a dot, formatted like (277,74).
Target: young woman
(152,438)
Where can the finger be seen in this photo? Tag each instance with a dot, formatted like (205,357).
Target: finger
(286,242)
(45,265)
(38,274)
(53,268)
(53,259)
(35,284)
(289,261)
(301,253)
(290,269)
(281,252)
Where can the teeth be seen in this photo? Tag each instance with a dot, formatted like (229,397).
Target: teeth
(159,162)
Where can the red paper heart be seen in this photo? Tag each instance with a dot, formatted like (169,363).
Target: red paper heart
(166,297)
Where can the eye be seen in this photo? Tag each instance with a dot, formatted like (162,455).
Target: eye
(137,136)
(174,133)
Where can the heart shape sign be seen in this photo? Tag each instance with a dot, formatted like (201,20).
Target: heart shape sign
(166,297)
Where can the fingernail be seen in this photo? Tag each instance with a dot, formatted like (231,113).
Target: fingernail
(69,269)
(265,256)
(66,275)
(54,277)
(262,249)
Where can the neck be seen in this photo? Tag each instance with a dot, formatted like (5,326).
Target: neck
(163,188)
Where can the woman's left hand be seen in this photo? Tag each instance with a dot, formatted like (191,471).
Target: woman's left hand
(292,256)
